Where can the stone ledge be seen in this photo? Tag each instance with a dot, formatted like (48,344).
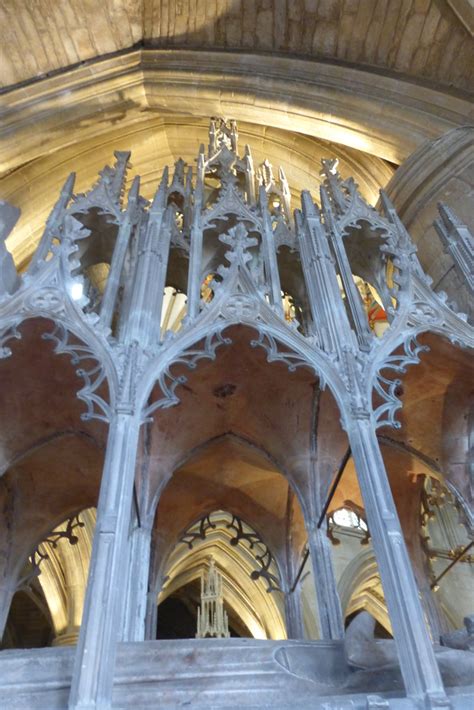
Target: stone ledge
(363,109)
(209,673)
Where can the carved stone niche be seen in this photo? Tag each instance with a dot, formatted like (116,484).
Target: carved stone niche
(439,171)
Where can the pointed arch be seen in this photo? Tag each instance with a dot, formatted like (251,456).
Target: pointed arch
(261,611)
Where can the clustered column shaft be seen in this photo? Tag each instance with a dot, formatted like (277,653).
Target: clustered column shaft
(95,657)
(420,670)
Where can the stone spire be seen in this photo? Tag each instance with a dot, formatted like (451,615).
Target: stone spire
(212,620)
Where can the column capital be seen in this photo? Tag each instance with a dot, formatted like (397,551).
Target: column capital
(359,413)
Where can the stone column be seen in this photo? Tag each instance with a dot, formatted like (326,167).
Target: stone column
(93,673)
(7,591)
(137,589)
(417,660)
(154,586)
(331,624)
(293,614)
(151,618)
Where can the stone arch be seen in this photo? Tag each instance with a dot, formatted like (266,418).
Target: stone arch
(262,612)
(280,344)
(232,473)
(74,340)
(239,440)
(118,84)
(359,577)
(242,456)
(56,573)
(64,576)
(47,449)
(440,385)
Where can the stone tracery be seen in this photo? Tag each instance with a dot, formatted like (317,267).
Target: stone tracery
(227,226)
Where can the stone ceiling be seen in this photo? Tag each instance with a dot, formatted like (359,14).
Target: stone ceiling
(425,39)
